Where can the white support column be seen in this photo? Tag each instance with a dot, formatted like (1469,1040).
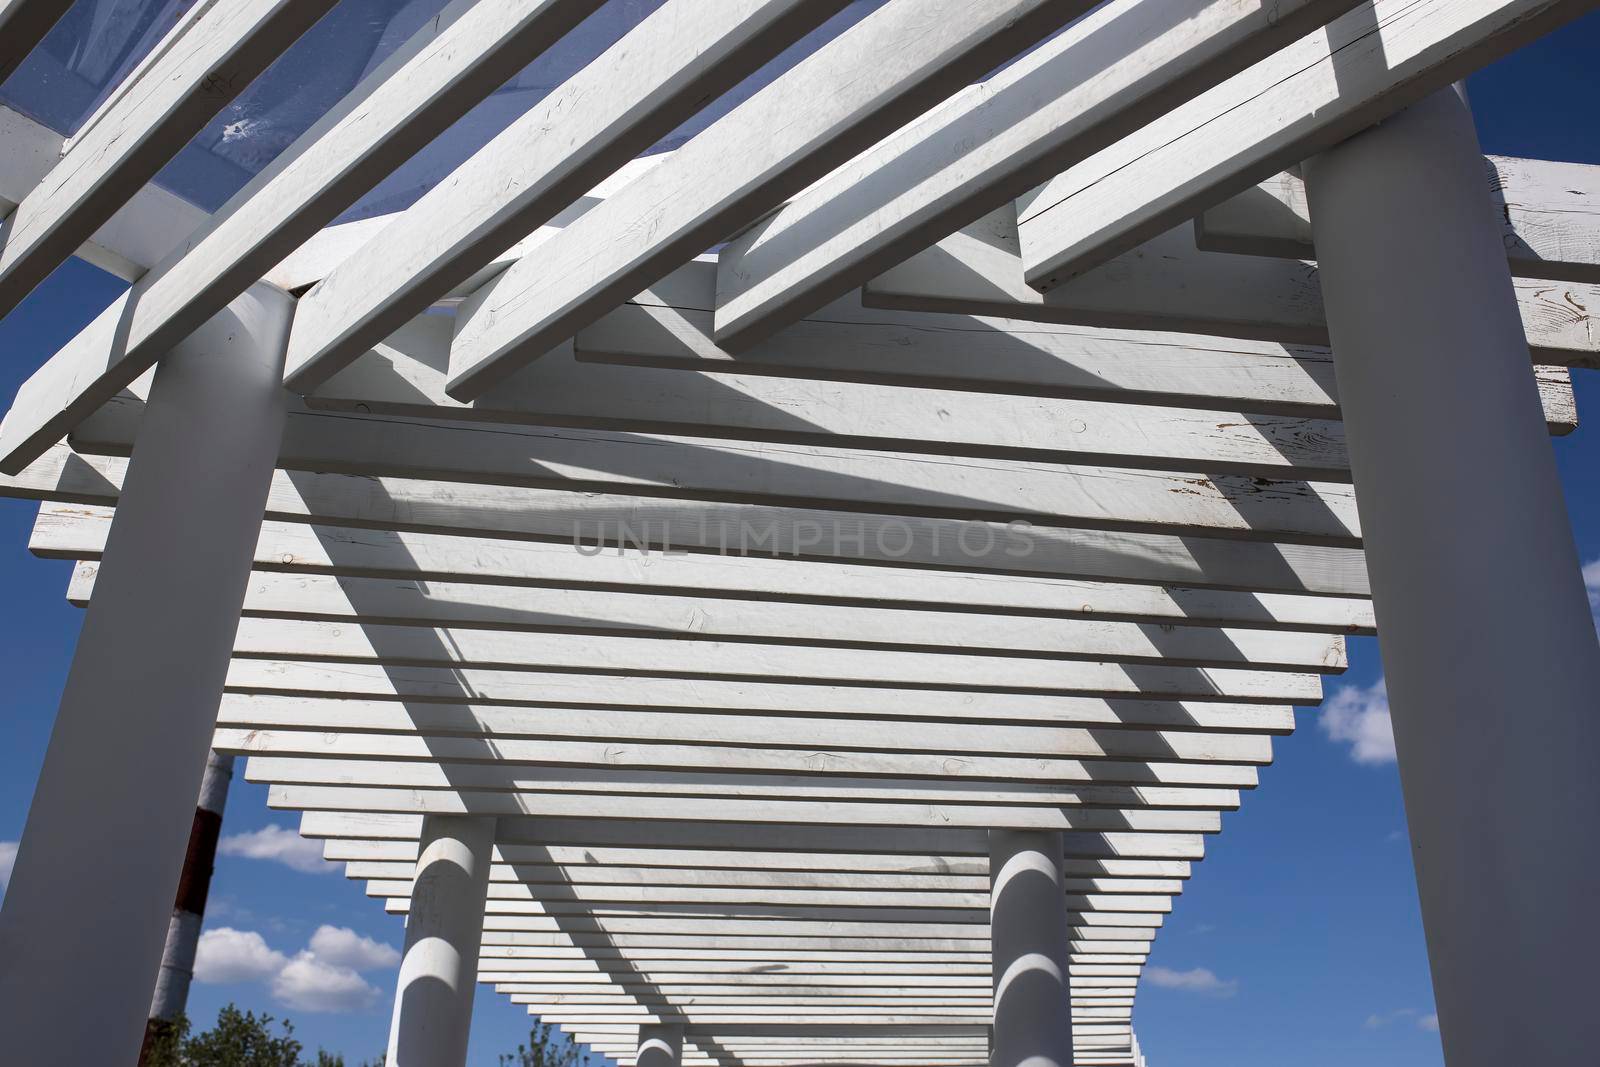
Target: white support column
(1493,667)
(87,910)
(433,1001)
(660,1045)
(1028,933)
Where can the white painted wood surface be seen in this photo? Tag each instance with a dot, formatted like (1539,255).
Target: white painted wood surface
(78,532)
(1001,491)
(1168,283)
(207,60)
(864,83)
(657,526)
(1312,94)
(668,326)
(1549,218)
(589,611)
(680,55)
(1121,66)
(455,60)
(141,233)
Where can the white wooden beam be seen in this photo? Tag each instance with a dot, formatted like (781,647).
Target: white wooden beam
(668,326)
(1546,214)
(474,733)
(681,471)
(1312,94)
(404,376)
(452,63)
(203,63)
(79,532)
(870,79)
(680,55)
(372,696)
(655,525)
(400,888)
(1118,68)
(144,231)
(604,613)
(721,809)
(511,776)
(600,833)
(458,646)
(1168,283)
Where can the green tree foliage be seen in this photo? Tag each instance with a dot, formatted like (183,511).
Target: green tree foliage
(545,1049)
(240,1039)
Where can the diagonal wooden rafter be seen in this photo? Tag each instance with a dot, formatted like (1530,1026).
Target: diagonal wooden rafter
(870,79)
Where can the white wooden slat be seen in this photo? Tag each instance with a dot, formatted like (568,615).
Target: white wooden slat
(1312,94)
(206,61)
(455,60)
(605,613)
(396,379)
(600,833)
(891,65)
(141,233)
(556,874)
(510,777)
(471,733)
(686,863)
(882,961)
(619,754)
(674,467)
(23,24)
(382,688)
(668,326)
(1121,66)
(708,742)
(329,247)
(762,812)
(453,646)
(669,879)
(656,524)
(680,55)
(1548,214)
(1166,283)
(79,532)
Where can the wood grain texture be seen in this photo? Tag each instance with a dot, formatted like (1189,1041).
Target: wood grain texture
(1309,95)
(1118,68)
(870,79)
(1549,218)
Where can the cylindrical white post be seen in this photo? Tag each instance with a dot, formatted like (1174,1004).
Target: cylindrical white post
(660,1045)
(189,909)
(1492,663)
(87,910)
(1028,943)
(433,1001)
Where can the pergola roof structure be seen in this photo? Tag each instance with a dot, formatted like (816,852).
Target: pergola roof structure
(929,444)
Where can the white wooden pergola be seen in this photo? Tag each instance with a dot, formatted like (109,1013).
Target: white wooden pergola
(804,597)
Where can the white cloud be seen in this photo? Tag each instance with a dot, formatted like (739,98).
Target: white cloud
(343,947)
(322,977)
(279,844)
(1429,1022)
(8,860)
(1196,980)
(226,955)
(1359,716)
(307,983)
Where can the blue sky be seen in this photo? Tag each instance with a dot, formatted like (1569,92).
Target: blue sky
(1299,938)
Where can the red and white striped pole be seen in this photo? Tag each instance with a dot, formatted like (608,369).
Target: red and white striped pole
(183,933)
